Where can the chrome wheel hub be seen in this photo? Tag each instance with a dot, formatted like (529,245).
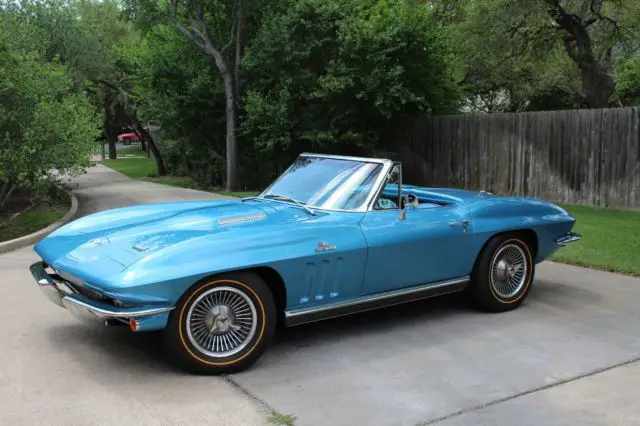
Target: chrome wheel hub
(509,271)
(220,319)
(221,322)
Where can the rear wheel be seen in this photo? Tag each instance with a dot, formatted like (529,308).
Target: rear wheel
(222,325)
(503,273)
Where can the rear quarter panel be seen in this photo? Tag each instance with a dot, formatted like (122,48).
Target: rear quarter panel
(495,215)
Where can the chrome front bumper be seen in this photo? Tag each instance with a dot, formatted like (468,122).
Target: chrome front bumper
(83,307)
(568,238)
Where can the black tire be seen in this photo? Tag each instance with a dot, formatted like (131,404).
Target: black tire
(180,345)
(487,290)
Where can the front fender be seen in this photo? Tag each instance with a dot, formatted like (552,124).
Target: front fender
(310,276)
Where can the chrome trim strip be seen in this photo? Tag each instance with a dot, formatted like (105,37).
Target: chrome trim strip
(375,188)
(108,313)
(380,189)
(77,307)
(46,284)
(569,238)
(346,157)
(316,209)
(295,317)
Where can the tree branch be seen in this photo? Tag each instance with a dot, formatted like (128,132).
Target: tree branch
(232,37)
(7,194)
(123,92)
(194,34)
(596,9)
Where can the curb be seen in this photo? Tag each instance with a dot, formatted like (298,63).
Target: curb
(36,236)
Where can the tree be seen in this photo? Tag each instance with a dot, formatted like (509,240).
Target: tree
(539,45)
(102,46)
(334,75)
(197,29)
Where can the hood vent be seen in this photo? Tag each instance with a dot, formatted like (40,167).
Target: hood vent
(233,220)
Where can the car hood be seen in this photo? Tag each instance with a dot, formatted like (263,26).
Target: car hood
(116,239)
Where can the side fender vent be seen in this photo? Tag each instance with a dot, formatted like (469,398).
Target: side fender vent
(234,220)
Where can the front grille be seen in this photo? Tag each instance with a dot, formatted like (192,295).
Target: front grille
(74,283)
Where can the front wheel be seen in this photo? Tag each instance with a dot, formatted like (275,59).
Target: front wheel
(503,273)
(221,325)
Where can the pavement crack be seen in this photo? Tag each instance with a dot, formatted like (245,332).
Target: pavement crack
(531,391)
(248,393)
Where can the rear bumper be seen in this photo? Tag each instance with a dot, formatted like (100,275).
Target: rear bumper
(87,309)
(570,237)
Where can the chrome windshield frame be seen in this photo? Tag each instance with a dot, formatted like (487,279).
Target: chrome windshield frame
(375,188)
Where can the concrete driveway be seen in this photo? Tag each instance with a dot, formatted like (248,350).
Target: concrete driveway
(568,356)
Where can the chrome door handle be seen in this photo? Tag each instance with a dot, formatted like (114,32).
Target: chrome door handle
(464,223)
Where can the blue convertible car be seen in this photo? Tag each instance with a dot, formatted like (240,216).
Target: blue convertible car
(332,236)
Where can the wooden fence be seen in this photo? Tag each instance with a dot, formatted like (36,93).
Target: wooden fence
(578,156)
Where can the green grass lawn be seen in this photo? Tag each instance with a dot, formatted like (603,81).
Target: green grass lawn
(145,169)
(610,240)
(32,221)
(136,168)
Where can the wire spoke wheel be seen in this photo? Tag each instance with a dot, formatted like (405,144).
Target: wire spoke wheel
(221,322)
(509,270)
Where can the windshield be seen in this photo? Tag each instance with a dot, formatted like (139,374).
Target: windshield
(327,183)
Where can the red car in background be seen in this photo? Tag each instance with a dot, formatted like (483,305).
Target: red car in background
(127,138)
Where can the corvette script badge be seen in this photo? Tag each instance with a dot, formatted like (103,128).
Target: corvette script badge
(324,246)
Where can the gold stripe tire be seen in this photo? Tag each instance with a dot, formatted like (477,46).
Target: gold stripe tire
(197,345)
(503,274)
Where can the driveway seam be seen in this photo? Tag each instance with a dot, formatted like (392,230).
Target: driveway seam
(531,391)
(249,394)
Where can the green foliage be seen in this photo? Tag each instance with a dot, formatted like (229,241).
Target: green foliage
(330,75)
(47,124)
(627,75)
(512,55)
(279,419)
(178,87)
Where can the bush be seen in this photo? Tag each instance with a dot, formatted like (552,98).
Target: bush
(47,125)
(329,75)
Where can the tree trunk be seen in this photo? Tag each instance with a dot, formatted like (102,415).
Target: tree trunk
(109,118)
(227,79)
(238,58)
(155,152)
(597,86)
(200,37)
(5,194)
(232,172)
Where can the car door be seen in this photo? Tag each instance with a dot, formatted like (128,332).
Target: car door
(430,244)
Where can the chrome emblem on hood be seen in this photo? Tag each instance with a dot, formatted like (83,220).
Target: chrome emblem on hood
(95,242)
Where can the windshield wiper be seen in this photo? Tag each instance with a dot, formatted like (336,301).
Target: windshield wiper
(291,200)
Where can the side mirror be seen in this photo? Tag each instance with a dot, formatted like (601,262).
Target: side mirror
(404,205)
(408,201)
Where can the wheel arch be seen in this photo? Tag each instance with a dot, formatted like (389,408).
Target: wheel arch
(275,282)
(527,234)
(270,276)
